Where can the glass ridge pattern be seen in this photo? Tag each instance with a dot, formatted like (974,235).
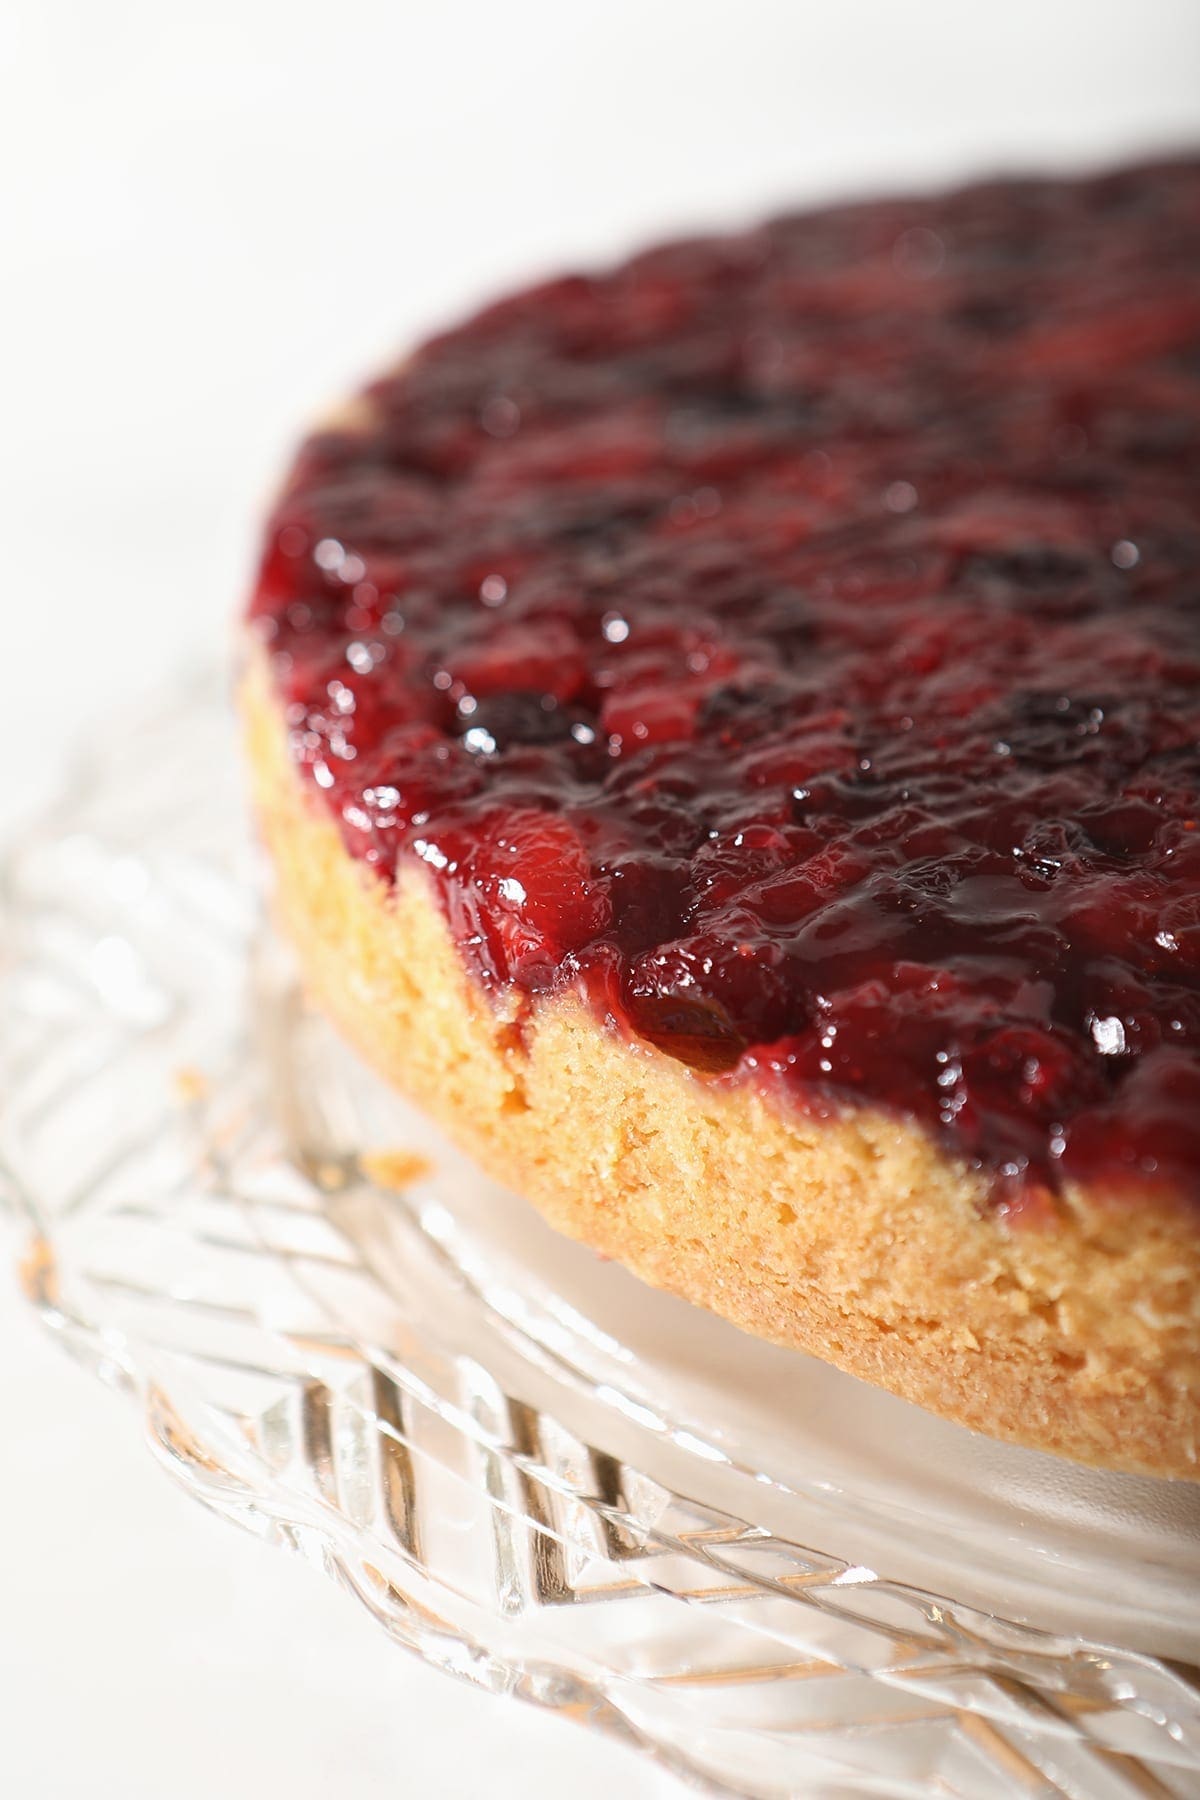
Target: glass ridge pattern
(185,1241)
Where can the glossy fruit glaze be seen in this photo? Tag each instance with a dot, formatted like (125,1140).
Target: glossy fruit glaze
(792,641)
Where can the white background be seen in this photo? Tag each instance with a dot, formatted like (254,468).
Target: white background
(212,219)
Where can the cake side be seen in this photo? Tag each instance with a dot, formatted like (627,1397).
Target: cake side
(1075,1329)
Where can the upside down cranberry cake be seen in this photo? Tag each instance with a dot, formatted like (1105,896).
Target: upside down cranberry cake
(728,732)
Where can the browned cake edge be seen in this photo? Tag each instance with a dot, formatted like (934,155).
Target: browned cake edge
(854,1239)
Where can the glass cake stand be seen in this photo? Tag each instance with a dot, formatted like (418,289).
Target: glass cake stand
(534,1471)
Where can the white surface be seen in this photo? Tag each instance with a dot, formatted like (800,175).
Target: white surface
(215,218)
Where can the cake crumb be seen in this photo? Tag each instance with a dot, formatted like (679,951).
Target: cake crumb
(394,1170)
(191,1085)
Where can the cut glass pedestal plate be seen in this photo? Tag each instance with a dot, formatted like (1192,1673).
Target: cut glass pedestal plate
(535,1472)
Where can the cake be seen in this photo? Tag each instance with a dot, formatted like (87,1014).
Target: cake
(727,731)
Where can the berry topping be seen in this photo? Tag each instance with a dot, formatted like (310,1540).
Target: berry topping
(791,642)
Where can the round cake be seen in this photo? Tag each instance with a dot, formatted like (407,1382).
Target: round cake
(728,734)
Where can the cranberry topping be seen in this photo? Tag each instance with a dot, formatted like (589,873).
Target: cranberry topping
(792,641)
